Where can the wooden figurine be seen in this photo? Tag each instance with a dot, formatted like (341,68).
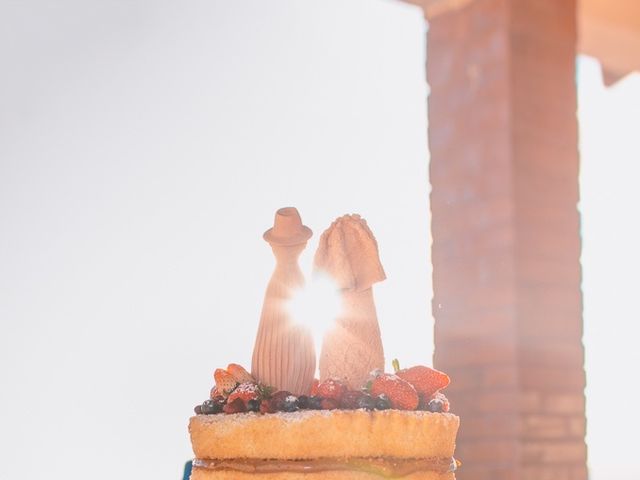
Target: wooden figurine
(284,354)
(348,252)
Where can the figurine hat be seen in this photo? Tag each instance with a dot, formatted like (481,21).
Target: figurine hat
(287,228)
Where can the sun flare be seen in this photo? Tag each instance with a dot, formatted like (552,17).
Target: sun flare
(316,306)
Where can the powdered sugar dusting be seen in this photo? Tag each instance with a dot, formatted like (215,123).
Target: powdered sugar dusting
(302,415)
(246,388)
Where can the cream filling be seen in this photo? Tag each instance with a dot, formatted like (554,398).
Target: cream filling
(390,467)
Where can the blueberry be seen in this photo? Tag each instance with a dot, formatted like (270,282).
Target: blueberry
(436,405)
(303,402)
(253,405)
(382,402)
(209,407)
(314,403)
(366,401)
(198,409)
(290,404)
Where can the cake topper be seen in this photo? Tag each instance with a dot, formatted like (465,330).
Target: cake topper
(348,252)
(284,354)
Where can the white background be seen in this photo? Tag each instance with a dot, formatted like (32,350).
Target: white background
(610,199)
(144,147)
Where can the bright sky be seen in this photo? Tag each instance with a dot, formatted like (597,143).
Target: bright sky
(144,148)
(610,198)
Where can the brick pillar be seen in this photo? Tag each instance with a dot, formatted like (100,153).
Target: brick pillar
(506,240)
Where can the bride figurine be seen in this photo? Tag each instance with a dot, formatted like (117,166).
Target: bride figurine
(348,252)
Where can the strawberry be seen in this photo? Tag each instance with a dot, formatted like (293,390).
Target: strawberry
(225,382)
(214,393)
(401,394)
(425,380)
(331,388)
(245,391)
(314,388)
(239,373)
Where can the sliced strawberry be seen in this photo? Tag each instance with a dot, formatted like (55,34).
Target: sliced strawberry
(331,388)
(214,393)
(401,394)
(425,380)
(239,373)
(225,382)
(245,392)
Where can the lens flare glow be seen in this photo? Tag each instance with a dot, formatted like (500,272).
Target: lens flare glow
(316,306)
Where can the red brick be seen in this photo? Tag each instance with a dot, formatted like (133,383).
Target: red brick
(466,378)
(496,401)
(564,403)
(489,450)
(505,227)
(555,379)
(552,352)
(480,472)
(579,472)
(577,427)
(530,401)
(544,321)
(553,272)
(499,376)
(482,325)
(542,426)
(499,425)
(540,472)
(497,351)
(548,452)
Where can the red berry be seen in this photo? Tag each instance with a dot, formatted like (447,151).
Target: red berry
(400,393)
(350,398)
(425,380)
(314,388)
(240,374)
(245,392)
(331,388)
(225,382)
(423,402)
(278,400)
(237,406)
(265,407)
(328,404)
